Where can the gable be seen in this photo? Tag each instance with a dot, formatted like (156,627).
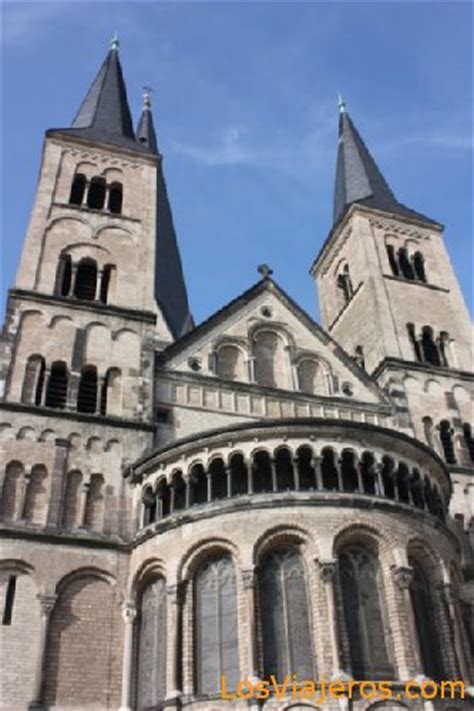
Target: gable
(263,339)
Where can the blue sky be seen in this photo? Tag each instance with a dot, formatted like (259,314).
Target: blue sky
(246,114)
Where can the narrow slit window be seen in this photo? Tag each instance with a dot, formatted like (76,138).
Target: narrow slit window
(10,591)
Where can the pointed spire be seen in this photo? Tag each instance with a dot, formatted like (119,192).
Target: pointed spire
(358,178)
(145,133)
(104,115)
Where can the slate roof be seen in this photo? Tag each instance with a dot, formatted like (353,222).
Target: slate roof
(104,115)
(359,180)
(146,135)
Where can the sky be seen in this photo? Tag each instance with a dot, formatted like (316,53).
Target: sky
(245,106)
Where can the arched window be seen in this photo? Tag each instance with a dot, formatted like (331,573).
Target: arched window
(163,496)
(216,627)
(218,476)
(178,486)
(423,608)
(406,267)
(198,481)
(429,348)
(344,283)
(151,652)
(414,341)
(419,266)
(469,441)
(95,504)
(33,381)
(306,472)
(115,198)
(86,280)
(417,489)
(78,188)
(111,394)
(262,473)
(87,391)
(403,483)
(311,377)
(230,363)
(349,471)
(367,472)
(284,470)
(96,194)
(360,580)
(149,505)
(392,259)
(446,436)
(10,499)
(271,362)
(56,388)
(238,474)
(329,469)
(388,477)
(64,276)
(428,431)
(285,616)
(107,274)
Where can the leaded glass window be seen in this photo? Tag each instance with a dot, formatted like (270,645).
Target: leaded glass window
(216,625)
(285,616)
(151,673)
(359,574)
(422,603)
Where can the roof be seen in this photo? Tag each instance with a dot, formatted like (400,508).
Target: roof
(359,179)
(104,115)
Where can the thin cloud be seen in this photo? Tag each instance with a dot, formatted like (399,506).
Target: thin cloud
(23,21)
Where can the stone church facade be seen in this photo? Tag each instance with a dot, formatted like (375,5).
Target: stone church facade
(254,495)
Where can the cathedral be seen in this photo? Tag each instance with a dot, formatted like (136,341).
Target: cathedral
(190,510)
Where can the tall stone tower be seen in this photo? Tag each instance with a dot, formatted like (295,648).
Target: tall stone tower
(98,290)
(390,297)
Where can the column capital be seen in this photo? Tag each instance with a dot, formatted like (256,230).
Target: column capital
(47,602)
(327,569)
(249,577)
(176,593)
(129,611)
(403,575)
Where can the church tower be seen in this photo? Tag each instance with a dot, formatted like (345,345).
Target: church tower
(390,297)
(98,290)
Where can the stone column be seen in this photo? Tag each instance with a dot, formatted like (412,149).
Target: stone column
(338,464)
(98,284)
(175,601)
(72,288)
(81,517)
(316,462)
(47,602)
(328,570)
(228,473)
(248,463)
(209,486)
(274,474)
(24,485)
(47,374)
(187,495)
(296,473)
(129,613)
(380,489)
(249,583)
(358,468)
(410,663)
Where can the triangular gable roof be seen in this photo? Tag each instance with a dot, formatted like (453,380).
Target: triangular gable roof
(268,285)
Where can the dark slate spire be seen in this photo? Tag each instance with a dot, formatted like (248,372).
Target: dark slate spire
(104,115)
(358,178)
(145,134)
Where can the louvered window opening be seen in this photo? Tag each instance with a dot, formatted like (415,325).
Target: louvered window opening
(87,391)
(56,389)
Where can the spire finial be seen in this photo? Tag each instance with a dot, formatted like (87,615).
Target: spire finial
(341,104)
(264,270)
(114,42)
(147,92)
